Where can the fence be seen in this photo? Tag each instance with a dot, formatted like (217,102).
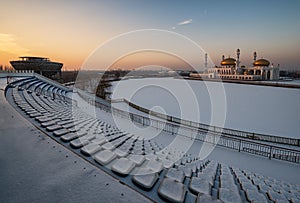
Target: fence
(201,132)
(223,131)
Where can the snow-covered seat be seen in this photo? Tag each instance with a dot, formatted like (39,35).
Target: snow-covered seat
(175,174)
(204,198)
(172,191)
(123,166)
(50,122)
(200,185)
(145,179)
(187,170)
(121,153)
(155,165)
(90,149)
(104,157)
(276,196)
(79,142)
(137,159)
(253,195)
(230,196)
(60,132)
(69,136)
(53,127)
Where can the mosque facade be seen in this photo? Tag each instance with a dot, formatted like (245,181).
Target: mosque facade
(230,69)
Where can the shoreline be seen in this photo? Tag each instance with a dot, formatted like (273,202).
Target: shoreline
(259,83)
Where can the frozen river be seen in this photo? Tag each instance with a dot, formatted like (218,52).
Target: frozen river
(261,109)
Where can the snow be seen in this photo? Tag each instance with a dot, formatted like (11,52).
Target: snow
(260,109)
(280,169)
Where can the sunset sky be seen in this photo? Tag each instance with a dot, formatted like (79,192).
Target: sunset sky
(69,31)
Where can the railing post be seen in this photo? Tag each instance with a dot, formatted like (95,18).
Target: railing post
(240,145)
(270,155)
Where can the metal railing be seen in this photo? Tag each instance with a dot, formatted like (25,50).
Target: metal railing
(216,129)
(201,132)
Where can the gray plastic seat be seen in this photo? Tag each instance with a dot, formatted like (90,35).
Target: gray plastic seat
(229,196)
(276,197)
(145,178)
(123,166)
(175,174)
(108,146)
(203,198)
(99,140)
(172,191)
(137,159)
(120,153)
(33,115)
(200,185)
(90,149)
(54,127)
(155,165)
(68,137)
(255,196)
(104,157)
(49,123)
(60,132)
(79,142)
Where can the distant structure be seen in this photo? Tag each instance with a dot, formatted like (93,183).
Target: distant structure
(230,69)
(39,65)
(205,64)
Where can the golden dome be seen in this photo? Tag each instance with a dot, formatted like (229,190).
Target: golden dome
(228,62)
(261,62)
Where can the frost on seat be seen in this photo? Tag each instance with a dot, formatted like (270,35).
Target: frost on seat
(90,149)
(99,140)
(104,157)
(276,197)
(229,196)
(175,174)
(203,198)
(255,196)
(138,159)
(120,153)
(172,191)
(145,178)
(108,146)
(68,137)
(79,142)
(123,166)
(155,166)
(60,132)
(54,127)
(200,185)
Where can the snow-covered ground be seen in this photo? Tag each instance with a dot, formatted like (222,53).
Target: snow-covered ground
(292,82)
(261,109)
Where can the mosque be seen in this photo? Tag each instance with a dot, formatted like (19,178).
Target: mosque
(230,69)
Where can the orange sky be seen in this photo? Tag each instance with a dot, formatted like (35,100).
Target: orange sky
(150,59)
(69,31)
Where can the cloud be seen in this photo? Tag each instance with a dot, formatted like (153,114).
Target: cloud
(8,44)
(185,22)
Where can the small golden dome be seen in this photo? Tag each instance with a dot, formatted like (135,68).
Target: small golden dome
(228,62)
(261,62)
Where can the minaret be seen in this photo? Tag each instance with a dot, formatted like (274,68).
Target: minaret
(254,56)
(205,64)
(223,57)
(238,52)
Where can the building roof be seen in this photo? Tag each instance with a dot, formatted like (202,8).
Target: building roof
(228,62)
(261,62)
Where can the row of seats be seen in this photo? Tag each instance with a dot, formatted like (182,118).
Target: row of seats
(160,172)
